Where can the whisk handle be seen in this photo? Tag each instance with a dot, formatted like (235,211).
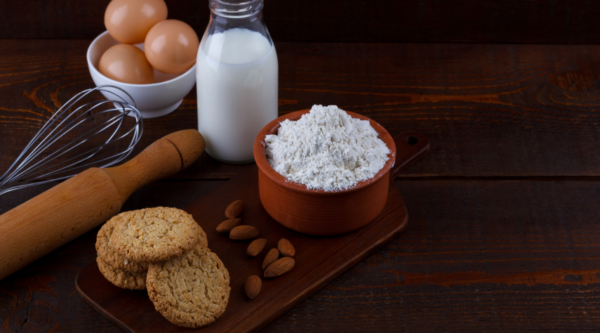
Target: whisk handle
(162,159)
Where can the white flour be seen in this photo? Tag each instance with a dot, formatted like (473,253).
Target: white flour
(326,149)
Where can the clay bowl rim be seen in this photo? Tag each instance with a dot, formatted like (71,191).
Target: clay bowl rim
(273,126)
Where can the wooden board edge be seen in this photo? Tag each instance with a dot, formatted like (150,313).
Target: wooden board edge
(95,306)
(247,325)
(307,293)
(330,277)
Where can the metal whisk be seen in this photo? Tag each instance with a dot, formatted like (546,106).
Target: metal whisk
(47,158)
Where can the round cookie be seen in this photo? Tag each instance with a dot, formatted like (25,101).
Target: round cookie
(155,234)
(108,254)
(121,278)
(190,291)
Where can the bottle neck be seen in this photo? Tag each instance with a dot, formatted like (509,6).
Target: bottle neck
(232,9)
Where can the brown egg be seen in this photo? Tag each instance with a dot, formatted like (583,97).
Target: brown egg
(126,63)
(129,21)
(171,46)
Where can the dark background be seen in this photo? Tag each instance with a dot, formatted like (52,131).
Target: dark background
(503,230)
(472,21)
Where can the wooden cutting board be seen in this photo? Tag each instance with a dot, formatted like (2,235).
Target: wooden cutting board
(318,261)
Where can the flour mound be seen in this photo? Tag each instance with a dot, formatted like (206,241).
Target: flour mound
(326,149)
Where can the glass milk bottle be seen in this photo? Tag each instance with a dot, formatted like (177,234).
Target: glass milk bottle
(236,79)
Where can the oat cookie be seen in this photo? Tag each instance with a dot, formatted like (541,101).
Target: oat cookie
(108,254)
(203,239)
(190,291)
(121,278)
(155,234)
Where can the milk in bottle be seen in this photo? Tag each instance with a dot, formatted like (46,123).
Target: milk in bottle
(237,80)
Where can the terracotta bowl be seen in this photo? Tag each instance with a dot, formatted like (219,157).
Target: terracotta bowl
(317,212)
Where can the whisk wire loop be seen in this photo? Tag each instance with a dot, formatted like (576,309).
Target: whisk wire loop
(62,150)
(32,168)
(71,146)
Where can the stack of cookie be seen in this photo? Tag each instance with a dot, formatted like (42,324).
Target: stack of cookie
(166,252)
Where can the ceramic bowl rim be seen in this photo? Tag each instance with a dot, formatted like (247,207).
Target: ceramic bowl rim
(132,85)
(267,170)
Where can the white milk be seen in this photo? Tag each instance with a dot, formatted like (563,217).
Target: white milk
(237,92)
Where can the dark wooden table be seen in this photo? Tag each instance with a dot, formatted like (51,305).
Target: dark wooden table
(503,231)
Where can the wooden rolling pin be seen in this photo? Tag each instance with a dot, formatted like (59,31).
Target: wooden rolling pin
(83,202)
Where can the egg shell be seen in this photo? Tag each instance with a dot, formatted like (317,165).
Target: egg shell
(129,21)
(171,46)
(126,63)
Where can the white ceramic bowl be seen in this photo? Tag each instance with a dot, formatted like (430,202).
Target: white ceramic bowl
(153,100)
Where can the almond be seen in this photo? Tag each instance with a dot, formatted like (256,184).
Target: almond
(270,258)
(256,247)
(243,232)
(234,209)
(286,248)
(252,286)
(226,226)
(280,267)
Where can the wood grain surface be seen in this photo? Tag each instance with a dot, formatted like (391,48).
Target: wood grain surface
(503,228)
(482,21)
(477,256)
(490,110)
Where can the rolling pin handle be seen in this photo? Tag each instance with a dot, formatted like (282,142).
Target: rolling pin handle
(162,159)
